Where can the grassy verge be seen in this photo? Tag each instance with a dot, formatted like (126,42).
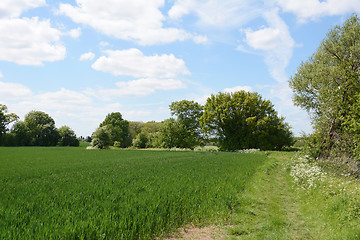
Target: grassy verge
(291,199)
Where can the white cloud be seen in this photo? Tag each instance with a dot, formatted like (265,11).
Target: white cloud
(29,41)
(74,33)
(133,62)
(263,39)
(238,88)
(87,56)
(136,88)
(275,41)
(314,9)
(14,8)
(218,13)
(138,20)
(13,91)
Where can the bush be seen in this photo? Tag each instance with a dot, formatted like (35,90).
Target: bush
(117,144)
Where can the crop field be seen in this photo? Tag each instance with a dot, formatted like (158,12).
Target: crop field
(73,193)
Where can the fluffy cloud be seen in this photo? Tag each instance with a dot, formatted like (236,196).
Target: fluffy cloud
(275,41)
(29,41)
(87,56)
(314,9)
(14,8)
(13,91)
(138,20)
(136,88)
(238,88)
(133,62)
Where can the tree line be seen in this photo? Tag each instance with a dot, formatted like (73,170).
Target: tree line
(37,129)
(231,121)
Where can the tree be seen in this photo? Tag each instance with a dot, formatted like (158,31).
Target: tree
(327,85)
(42,130)
(173,134)
(67,137)
(118,129)
(22,134)
(141,140)
(243,120)
(188,114)
(5,120)
(101,138)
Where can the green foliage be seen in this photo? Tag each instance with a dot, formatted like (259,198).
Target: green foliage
(174,134)
(5,120)
(243,120)
(118,129)
(327,86)
(41,129)
(67,137)
(188,113)
(117,144)
(73,193)
(141,140)
(101,138)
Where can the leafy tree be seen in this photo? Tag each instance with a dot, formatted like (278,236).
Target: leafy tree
(101,138)
(243,120)
(173,134)
(41,128)
(188,114)
(141,140)
(22,134)
(5,120)
(67,137)
(118,129)
(327,85)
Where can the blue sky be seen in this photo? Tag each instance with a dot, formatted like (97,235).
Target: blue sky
(79,60)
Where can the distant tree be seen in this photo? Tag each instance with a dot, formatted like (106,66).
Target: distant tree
(41,128)
(22,134)
(173,134)
(67,137)
(188,113)
(141,140)
(243,120)
(5,120)
(101,138)
(327,85)
(118,129)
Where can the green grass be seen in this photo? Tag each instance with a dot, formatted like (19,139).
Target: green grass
(274,206)
(73,193)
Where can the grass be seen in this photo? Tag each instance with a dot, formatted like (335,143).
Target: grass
(72,193)
(276,205)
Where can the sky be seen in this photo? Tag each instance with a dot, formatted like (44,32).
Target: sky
(79,60)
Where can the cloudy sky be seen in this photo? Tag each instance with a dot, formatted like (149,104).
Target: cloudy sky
(79,60)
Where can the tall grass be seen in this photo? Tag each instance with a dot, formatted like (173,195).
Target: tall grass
(71,193)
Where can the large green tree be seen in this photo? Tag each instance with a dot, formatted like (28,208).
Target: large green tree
(41,127)
(173,134)
(118,129)
(188,114)
(243,120)
(327,85)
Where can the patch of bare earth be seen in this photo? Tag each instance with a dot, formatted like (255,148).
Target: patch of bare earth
(195,233)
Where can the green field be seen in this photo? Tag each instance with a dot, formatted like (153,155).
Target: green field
(73,193)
